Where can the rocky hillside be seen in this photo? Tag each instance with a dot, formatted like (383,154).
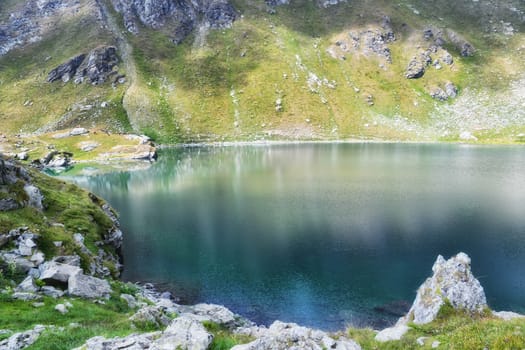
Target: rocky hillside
(214,70)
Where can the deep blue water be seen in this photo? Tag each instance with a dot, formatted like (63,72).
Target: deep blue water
(324,235)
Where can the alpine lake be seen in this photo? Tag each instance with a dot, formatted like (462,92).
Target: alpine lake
(322,234)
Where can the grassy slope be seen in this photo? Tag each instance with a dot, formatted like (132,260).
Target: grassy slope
(226,88)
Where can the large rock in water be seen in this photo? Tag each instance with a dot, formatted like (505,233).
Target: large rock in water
(452,281)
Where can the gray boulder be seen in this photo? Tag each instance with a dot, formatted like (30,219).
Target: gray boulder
(437,93)
(451,89)
(185,332)
(22,340)
(52,292)
(28,285)
(88,287)
(415,69)
(284,336)
(210,312)
(56,272)
(150,315)
(452,281)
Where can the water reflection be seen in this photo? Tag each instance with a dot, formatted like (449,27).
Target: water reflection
(321,234)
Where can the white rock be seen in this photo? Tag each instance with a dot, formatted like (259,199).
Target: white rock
(28,285)
(78,131)
(88,287)
(392,333)
(451,281)
(184,332)
(22,340)
(467,136)
(61,308)
(35,196)
(38,258)
(435,344)
(507,315)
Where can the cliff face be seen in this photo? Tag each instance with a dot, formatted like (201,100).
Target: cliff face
(179,17)
(213,70)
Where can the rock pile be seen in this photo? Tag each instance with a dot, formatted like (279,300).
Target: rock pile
(452,282)
(97,67)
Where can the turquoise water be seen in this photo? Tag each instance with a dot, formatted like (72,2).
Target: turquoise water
(321,234)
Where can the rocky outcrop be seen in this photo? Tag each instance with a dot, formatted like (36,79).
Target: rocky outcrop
(179,18)
(452,282)
(97,67)
(373,41)
(283,336)
(89,287)
(415,69)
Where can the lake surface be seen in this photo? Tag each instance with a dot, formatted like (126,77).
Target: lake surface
(324,235)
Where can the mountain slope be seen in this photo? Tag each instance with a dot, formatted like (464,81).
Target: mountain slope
(248,70)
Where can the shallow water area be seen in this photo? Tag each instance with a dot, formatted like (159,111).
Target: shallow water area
(324,235)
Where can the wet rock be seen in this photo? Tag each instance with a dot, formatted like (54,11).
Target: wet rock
(78,131)
(61,308)
(452,282)
(34,195)
(507,315)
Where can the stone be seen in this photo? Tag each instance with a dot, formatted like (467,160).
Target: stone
(507,315)
(78,132)
(435,344)
(150,315)
(392,333)
(28,285)
(52,292)
(184,332)
(22,156)
(438,93)
(452,282)
(451,89)
(22,340)
(25,296)
(130,300)
(37,258)
(467,136)
(25,247)
(79,238)
(415,69)
(66,70)
(57,272)
(88,146)
(61,308)
(88,287)
(281,336)
(131,342)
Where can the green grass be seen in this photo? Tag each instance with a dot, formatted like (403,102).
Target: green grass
(226,89)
